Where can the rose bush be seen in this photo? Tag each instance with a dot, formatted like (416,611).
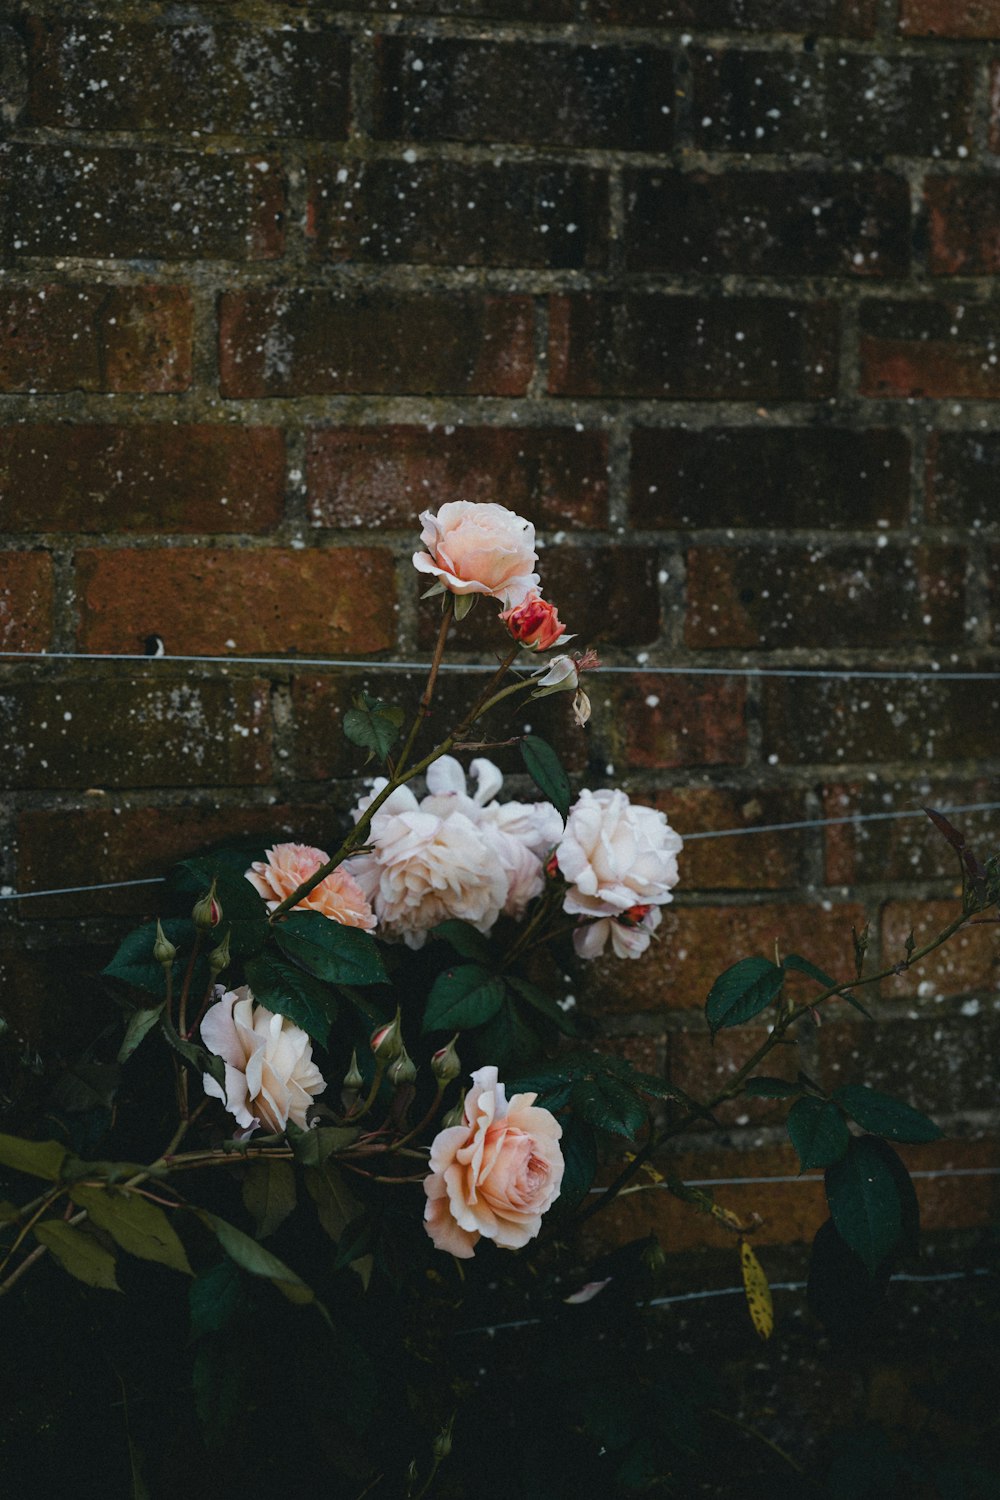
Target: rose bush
(271,1078)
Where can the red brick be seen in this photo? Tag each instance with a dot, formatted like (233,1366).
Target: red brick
(702,1066)
(68,200)
(82,847)
(444,213)
(118,339)
(695,944)
(618,98)
(802,477)
(109,732)
(969,963)
(749,861)
(964,222)
(957,18)
(55,1003)
(385,476)
(825,17)
(665,722)
(962,478)
(25,601)
(267,600)
(835,104)
(767,223)
(162,478)
(929,349)
(230,78)
(808,721)
(275,342)
(909,848)
(993,577)
(943,1064)
(691,348)
(844,596)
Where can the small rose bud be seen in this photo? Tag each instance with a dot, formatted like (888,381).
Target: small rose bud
(387,1039)
(402,1070)
(552,871)
(635,916)
(535,624)
(561,676)
(442,1443)
(445,1064)
(164,951)
(219,958)
(654,1258)
(208,911)
(455,1116)
(353,1078)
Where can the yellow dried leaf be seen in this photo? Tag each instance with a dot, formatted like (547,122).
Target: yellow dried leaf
(758,1293)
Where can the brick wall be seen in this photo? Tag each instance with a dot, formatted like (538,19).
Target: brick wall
(703,287)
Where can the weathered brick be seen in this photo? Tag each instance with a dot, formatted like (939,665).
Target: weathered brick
(94,74)
(275,342)
(107,732)
(120,339)
(25,601)
(750,861)
(822,17)
(964,221)
(842,596)
(767,223)
(829,103)
(958,18)
(802,477)
(963,477)
(702,1065)
(691,348)
(696,943)
(815,721)
(943,1064)
(908,848)
(929,349)
(55,1003)
(968,963)
(445,213)
(385,476)
(529,93)
(266,600)
(993,585)
(664,722)
(162,478)
(606,595)
(81,200)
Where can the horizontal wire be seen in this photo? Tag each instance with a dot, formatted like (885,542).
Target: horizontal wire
(716,833)
(711,1182)
(640,669)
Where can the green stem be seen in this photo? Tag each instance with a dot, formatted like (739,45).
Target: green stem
(424,706)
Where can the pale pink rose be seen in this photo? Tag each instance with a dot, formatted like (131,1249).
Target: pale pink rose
(535,624)
(496,1173)
(628,939)
(338,897)
(478,549)
(271,1078)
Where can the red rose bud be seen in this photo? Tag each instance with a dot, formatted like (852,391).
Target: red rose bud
(207,912)
(635,916)
(387,1040)
(445,1064)
(535,624)
(552,871)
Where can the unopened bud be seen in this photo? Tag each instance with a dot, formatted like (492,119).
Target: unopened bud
(445,1064)
(387,1039)
(219,957)
(353,1078)
(402,1070)
(164,951)
(552,871)
(208,911)
(654,1258)
(455,1116)
(635,916)
(442,1443)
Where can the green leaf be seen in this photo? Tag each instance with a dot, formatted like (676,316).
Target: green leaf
(312,1147)
(545,769)
(864,1202)
(543,1003)
(200,1059)
(338,954)
(770,1088)
(134,963)
(880,1115)
(243,909)
(78,1253)
(507,1040)
(817,1130)
(609,1105)
(141,1022)
(805,966)
(373,724)
(140,1227)
(579,1149)
(552,1088)
(252,1257)
(213,1297)
(908,1206)
(742,992)
(465,940)
(37,1158)
(268,1193)
(290,991)
(336,1205)
(463,997)
(8,1212)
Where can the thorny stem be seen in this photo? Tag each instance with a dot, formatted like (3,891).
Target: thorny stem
(424,707)
(428,1117)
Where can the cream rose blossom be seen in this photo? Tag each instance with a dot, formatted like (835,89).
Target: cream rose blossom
(478,549)
(338,897)
(494,1175)
(271,1078)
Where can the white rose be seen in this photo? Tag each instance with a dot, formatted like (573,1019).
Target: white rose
(270,1075)
(479,549)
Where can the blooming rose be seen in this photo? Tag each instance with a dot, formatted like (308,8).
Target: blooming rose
(338,897)
(270,1075)
(496,1173)
(535,623)
(618,858)
(478,549)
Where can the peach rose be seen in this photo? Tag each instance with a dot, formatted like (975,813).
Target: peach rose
(338,897)
(535,623)
(270,1075)
(496,1173)
(478,549)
